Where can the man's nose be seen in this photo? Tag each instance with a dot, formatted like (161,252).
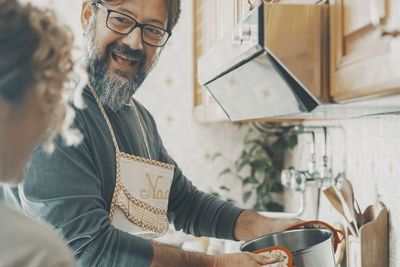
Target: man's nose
(134,39)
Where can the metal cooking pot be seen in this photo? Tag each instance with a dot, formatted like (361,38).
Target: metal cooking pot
(309,247)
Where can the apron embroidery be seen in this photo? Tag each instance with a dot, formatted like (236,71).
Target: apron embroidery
(140,201)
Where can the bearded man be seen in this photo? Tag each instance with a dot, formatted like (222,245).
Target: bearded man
(109,196)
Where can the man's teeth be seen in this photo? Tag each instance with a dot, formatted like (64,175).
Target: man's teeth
(124,59)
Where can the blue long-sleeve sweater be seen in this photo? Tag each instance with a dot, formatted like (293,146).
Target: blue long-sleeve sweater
(73,187)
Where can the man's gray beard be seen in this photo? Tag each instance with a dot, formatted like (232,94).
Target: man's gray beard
(112,92)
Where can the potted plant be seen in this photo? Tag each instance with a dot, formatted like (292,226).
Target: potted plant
(260,164)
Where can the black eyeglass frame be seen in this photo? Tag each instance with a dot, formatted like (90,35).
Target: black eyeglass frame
(137,24)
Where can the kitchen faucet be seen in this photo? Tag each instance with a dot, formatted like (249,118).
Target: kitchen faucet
(298,180)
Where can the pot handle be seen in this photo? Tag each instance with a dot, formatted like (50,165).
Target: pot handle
(338,235)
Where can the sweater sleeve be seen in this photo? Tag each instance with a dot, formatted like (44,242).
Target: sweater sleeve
(64,189)
(196,212)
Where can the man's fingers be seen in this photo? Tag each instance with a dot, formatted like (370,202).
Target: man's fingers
(274,265)
(261,259)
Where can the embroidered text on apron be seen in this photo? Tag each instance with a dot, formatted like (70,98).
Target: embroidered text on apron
(142,187)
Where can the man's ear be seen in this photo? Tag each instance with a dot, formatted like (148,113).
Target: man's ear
(87,12)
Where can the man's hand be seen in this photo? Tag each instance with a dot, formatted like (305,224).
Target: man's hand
(167,256)
(250,225)
(242,259)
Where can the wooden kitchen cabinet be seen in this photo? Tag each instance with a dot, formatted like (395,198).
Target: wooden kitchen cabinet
(212,20)
(364,48)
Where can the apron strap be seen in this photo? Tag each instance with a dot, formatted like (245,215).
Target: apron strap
(141,127)
(106,118)
(109,124)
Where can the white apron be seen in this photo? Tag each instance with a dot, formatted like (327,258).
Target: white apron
(140,201)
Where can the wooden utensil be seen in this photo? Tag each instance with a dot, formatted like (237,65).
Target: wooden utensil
(334,199)
(360,215)
(348,196)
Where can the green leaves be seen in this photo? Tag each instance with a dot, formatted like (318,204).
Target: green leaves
(226,171)
(261,162)
(250,180)
(216,155)
(246,196)
(215,194)
(229,200)
(239,124)
(240,164)
(224,188)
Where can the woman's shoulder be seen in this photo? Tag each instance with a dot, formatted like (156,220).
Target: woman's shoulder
(26,242)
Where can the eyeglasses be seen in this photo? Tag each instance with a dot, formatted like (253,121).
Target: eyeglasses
(124,24)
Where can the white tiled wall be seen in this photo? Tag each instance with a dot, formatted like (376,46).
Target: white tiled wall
(368,150)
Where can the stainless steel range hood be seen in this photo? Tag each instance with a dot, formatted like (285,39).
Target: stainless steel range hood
(274,64)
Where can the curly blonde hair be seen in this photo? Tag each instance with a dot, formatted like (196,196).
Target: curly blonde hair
(35,55)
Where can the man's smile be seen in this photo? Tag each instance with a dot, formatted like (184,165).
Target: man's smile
(123,59)
(124,62)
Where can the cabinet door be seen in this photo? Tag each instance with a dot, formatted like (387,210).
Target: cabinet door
(364,48)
